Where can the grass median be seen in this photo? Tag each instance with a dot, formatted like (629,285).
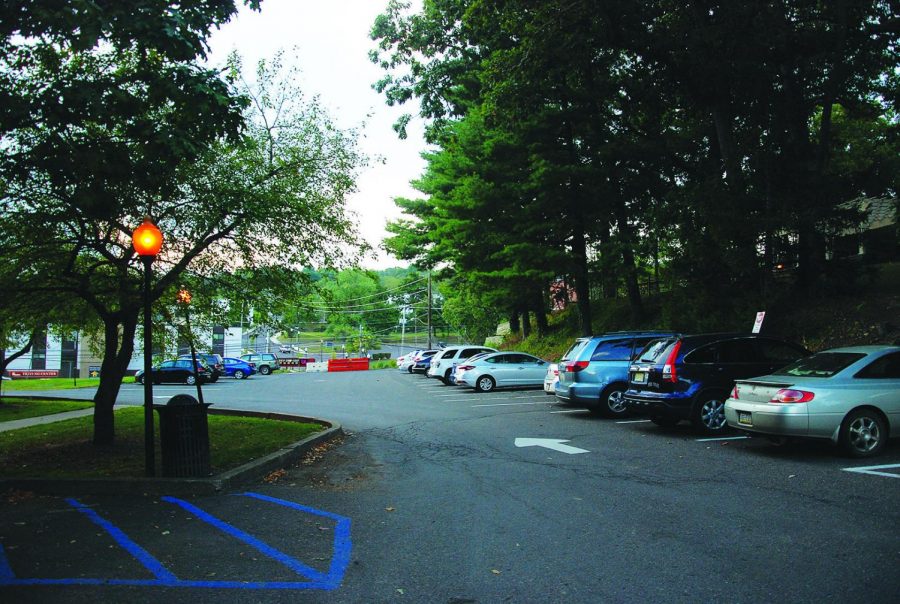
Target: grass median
(12,408)
(64,449)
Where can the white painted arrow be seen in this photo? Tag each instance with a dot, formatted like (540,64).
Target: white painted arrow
(549,443)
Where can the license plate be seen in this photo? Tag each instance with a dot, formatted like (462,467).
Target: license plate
(745,418)
(639,377)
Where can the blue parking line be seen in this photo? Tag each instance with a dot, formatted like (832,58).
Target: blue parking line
(265,549)
(143,556)
(340,557)
(164,578)
(6,572)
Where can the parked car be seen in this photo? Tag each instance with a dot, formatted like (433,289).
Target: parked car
(238,368)
(593,373)
(406,362)
(176,371)
(850,396)
(501,369)
(551,378)
(265,362)
(422,361)
(442,363)
(689,377)
(213,361)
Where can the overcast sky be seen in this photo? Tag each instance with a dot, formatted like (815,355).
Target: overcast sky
(332,45)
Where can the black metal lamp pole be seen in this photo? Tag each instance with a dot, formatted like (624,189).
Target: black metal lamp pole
(149,454)
(184,298)
(147,241)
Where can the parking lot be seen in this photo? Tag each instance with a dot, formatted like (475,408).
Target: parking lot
(450,495)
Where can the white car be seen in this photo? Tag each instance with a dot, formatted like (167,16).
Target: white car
(406,362)
(442,363)
(551,378)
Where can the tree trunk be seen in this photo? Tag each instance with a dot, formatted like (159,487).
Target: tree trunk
(5,361)
(514,324)
(540,311)
(116,356)
(629,266)
(526,324)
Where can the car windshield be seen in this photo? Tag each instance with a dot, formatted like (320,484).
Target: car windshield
(654,350)
(820,365)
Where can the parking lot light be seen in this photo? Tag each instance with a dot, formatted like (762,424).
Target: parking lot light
(147,240)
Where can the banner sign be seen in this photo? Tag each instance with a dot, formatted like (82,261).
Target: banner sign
(33,373)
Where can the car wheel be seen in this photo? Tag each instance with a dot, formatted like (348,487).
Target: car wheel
(139,379)
(485,383)
(409,369)
(214,379)
(863,433)
(264,370)
(612,403)
(709,413)
(665,422)
(446,378)
(190,380)
(238,374)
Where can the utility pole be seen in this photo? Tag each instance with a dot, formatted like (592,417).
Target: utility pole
(429,310)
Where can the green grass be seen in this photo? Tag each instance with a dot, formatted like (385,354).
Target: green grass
(64,449)
(21,384)
(12,408)
(385,364)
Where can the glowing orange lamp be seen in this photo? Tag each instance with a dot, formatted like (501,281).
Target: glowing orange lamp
(147,239)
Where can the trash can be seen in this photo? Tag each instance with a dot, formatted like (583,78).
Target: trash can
(184,437)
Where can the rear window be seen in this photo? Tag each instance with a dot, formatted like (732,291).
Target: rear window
(823,364)
(656,350)
(573,350)
(613,350)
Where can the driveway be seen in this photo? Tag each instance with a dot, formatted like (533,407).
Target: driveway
(439,494)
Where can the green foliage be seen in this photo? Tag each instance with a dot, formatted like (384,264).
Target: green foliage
(700,142)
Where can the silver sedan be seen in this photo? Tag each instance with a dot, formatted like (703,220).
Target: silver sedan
(849,395)
(502,369)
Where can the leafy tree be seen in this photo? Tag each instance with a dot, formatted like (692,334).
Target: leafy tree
(273,197)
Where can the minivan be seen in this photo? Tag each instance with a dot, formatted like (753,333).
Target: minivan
(593,374)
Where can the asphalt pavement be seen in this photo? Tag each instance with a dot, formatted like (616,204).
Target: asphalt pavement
(438,494)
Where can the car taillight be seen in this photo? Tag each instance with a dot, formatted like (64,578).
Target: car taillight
(668,372)
(576,366)
(556,371)
(465,367)
(734,393)
(788,395)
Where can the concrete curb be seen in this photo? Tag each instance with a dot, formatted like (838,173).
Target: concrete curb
(253,470)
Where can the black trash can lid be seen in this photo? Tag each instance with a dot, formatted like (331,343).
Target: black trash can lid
(182,399)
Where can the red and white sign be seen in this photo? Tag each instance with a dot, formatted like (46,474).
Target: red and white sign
(33,373)
(759,321)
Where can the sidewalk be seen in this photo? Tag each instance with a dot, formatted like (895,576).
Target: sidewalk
(43,419)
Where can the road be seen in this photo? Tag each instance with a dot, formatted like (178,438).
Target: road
(428,499)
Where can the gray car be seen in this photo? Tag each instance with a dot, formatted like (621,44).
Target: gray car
(849,395)
(501,369)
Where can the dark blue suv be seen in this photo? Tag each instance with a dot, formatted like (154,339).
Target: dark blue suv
(593,374)
(690,377)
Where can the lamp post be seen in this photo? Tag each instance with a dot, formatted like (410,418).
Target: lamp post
(147,241)
(183,297)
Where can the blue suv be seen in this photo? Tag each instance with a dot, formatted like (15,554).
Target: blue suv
(690,377)
(593,374)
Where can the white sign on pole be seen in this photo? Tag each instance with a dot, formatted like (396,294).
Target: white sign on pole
(759,321)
